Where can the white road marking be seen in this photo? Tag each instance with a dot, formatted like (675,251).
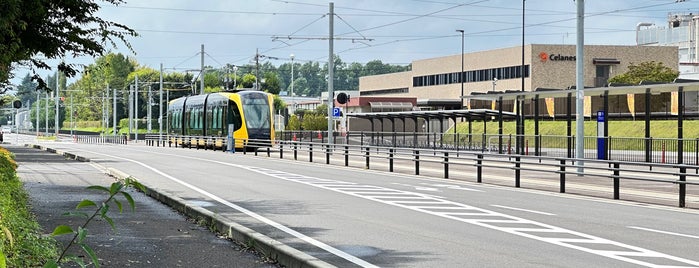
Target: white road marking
(574,243)
(528,228)
(451,186)
(259,217)
(664,232)
(525,210)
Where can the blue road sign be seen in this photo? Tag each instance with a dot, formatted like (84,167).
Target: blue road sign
(336,112)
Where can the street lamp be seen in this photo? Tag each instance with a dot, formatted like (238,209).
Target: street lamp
(235,76)
(461,74)
(293,104)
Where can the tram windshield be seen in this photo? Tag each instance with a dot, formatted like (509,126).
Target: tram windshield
(256,112)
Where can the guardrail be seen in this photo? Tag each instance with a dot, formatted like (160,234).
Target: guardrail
(97,139)
(560,168)
(658,150)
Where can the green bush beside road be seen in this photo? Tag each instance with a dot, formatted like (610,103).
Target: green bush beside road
(22,241)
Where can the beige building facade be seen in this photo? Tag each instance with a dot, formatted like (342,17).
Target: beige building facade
(438,80)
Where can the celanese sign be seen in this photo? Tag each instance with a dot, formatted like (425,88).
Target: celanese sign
(543,56)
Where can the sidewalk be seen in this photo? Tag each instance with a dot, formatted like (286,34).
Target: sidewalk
(152,236)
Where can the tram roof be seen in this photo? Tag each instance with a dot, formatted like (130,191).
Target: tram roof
(473,113)
(655,88)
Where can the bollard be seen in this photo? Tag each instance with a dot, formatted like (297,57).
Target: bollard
(310,152)
(526,147)
(295,152)
(281,150)
(417,162)
(346,155)
(367,157)
(517,172)
(327,154)
(683,186)
(390,160)
(479,168)
(562,179)
(662,154)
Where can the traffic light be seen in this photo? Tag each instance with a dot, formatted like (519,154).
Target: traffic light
(342,98)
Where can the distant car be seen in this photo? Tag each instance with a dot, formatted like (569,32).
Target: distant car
(6,129)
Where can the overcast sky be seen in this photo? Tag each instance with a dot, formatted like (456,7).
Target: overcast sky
(393,31)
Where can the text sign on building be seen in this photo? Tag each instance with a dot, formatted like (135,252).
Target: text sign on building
(544,57)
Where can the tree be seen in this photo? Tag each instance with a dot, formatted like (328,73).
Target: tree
(25,90)
(53,29)
(248,81)
(646,71)
(279,104)
(271,84)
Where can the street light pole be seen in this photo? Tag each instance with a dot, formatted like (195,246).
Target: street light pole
(293,103)
(461,74)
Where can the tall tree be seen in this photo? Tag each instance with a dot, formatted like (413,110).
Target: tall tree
(646,71)
(25,90)
(52,29)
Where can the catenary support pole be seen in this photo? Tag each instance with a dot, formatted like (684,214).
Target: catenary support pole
(580,86)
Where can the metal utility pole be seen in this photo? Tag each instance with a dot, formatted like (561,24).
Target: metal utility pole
(114,121)
(580,86)
(461,74)
(293,103)
(520,103)
(160,106)
(136,112)
(201,75)
(257,69)
(331,67)
(72,122)
(56,99)
(38,97)
(149,113)
(46,109)
(131,108)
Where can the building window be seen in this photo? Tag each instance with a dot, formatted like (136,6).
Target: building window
(511,72)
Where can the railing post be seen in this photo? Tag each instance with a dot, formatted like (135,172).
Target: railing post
(366,156)
(346,155)
(616,180)
(683,186)
(295,151)
(517,171)
(479,168)
(417,162)
(310,152)
(390,160)
(562,176)
(446,165)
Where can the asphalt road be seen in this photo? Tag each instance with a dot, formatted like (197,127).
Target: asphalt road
(353,217)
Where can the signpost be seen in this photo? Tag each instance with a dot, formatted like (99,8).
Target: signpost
(601,139)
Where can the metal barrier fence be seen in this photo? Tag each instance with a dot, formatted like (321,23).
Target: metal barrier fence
(560,167)
(656,150)
(97,139)
(480,162)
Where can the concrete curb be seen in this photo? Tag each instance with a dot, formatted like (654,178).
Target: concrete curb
(273,249)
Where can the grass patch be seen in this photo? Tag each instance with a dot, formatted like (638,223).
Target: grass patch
(24,245)
(625,129)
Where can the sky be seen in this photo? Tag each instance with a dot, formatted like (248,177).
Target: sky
(393,31)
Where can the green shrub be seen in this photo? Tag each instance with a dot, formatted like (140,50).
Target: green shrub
(21,239)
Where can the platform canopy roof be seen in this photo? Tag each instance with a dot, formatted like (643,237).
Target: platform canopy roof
(612,89)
